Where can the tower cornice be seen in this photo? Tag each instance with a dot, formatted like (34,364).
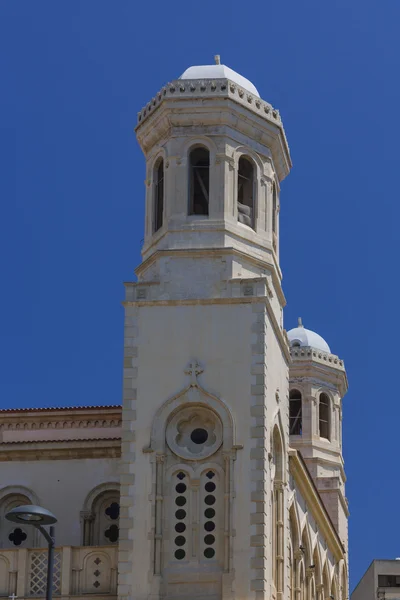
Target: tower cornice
(210,103)
(311,363)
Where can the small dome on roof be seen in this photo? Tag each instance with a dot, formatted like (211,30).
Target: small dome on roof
(219,71)
(300,336)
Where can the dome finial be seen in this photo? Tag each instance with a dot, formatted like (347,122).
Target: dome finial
(217,59)
(300,322)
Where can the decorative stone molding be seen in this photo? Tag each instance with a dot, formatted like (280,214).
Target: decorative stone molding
(194,433)
(306,351)
(17,424)
(190,88)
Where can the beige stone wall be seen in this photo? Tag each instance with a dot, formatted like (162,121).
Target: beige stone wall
(62,486)
(244,367)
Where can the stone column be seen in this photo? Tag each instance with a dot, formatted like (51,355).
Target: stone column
(298,557)
(320,592)
(66,571)
(22,573)
(158,513)
(279,500)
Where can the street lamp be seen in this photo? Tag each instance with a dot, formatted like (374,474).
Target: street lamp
(38,516)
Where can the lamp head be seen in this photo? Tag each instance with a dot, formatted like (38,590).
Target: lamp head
(31,515)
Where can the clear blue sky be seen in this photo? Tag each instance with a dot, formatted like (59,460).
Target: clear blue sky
(73,75)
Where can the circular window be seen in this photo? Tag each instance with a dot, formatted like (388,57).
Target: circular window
(209,552)
(210,486)
(209,513)
(199,436)
(180,501)
(181,541)
(194,433)
(209,540)
(209,526)
(180,488)
(180,527)
(210,500)
(180,514)
(180,554)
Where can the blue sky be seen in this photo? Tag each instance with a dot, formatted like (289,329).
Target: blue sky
(73,76)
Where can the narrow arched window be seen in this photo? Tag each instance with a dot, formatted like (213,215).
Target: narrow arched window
(295,413)
(199,164)
(158,195)
(274,208)
(101,525)
(245,197)
(324,417)
(14,535)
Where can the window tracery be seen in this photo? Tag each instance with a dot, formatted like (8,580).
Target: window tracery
(192,452)
(13,535)
(101,522)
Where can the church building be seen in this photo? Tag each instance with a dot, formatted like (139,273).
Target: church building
(221,476)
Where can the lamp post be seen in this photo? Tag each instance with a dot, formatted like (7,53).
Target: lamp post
(38,516)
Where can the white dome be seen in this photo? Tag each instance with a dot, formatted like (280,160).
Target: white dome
(219,72)
(300,336)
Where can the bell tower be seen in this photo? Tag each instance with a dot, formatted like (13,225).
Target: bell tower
(206,358)
(318,383)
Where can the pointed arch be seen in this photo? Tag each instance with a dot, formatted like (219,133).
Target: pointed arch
(278,512)
(295,523)
(325,580)
(306,545)
(294,545)
(317,566)
(188,488)
(306,549)
(334,587)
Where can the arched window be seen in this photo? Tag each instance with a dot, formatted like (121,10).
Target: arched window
(274,218)
(12,534)
(245,199)
(274,207)
(295,413)
(199,181)
(101,526)
(158,179)
(324,417)
(278,511)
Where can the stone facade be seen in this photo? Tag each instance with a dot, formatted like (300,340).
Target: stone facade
(217,498)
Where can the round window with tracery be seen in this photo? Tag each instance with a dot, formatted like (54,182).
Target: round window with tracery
(194,433)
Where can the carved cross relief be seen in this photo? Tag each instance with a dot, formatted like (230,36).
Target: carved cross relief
(193,370)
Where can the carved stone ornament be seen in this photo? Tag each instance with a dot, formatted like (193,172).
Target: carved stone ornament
(194,433)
